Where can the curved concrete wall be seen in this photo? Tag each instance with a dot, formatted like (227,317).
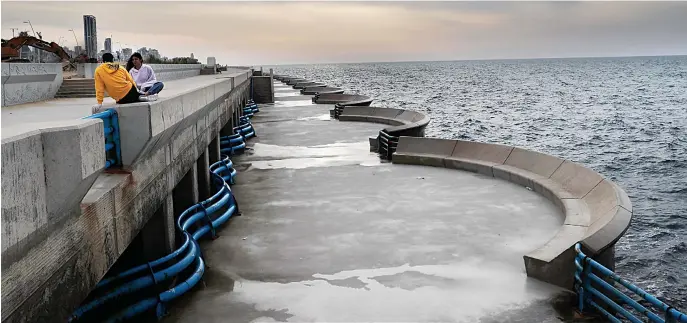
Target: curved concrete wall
(342,99)
(293,81)
(303,85)
(597,211)
(321,90)
(28,82)
(402,122)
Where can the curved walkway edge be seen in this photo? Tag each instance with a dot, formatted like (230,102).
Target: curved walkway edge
(597,211)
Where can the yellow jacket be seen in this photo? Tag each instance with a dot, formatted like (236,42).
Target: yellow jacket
(114,79)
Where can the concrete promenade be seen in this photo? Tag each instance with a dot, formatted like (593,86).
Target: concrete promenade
(331,233)
(75,108)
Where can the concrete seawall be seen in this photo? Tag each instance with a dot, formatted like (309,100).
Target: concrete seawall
(28,82)
(54,255)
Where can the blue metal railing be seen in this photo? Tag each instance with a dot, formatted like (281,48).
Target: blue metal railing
(113,150)
(587,281)
(250,109)
(245,128)
(233,144)
(186,261)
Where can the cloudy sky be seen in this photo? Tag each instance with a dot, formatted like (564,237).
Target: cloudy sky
(253,33)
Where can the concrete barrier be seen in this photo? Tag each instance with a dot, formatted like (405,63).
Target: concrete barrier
(597,211)
(28,82)
(163,72)
(342,99)
(403,122)
(46,172)
(293,81)
(321,90)
(303,85)
(263,89)
(162,143)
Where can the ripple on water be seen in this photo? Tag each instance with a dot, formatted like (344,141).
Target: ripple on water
(623,117)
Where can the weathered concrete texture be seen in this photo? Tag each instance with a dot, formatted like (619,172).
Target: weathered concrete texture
(263,89)
(27,82)
(163,72)
(329,233)
(597,212)
(81,250)
(45,174)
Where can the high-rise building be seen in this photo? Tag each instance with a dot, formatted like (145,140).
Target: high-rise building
(90,34)
(192,55)
(77,50)
(108,45)
(126,52)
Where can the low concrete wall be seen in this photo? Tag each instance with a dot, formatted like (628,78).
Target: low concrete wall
(28,82)
(161,141)
(163,72)
(342,99)
(321,90)
(263,89)
(303,85)
(597,211)
(402,122)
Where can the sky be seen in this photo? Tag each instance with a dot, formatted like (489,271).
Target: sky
(289,32)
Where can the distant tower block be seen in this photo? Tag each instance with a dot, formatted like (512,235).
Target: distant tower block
(211,62)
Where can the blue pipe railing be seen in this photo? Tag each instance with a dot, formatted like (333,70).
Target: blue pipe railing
(113,152)
(194,223)
(611,299)
(245,128)
(233,144)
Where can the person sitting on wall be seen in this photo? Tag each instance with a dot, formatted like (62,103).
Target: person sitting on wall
(144,76)
(114,79)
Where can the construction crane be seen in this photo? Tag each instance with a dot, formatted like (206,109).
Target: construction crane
(10,48)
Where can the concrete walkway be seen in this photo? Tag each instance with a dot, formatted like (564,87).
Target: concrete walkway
(67,109)
(329,233)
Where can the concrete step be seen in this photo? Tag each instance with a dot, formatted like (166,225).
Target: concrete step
(76,90)
(77,93)
(82,95)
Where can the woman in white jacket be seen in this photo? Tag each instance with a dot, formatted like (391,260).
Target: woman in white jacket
(144,76)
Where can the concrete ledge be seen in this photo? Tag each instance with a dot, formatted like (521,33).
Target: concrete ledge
(293,81)
(46,172)
(146,126)
(303,85)
(597,211)
(163,72)
(321,90)
(342,99)
(28,82)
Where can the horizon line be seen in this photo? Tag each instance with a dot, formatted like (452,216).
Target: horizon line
(472,60)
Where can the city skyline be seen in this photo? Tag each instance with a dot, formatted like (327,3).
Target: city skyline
(303,32)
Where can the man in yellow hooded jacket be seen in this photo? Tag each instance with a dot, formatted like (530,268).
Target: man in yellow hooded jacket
(114,79)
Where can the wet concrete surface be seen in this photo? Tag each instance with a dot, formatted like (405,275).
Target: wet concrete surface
(330,233)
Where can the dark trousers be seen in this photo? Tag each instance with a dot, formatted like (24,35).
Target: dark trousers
(130,97)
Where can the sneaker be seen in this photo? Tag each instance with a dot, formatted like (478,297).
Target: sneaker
(147,98)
